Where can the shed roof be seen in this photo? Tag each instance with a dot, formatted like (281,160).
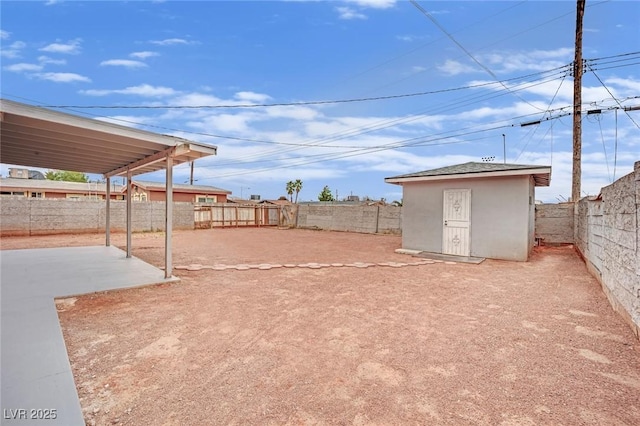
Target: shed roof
(40,137)
(540,174)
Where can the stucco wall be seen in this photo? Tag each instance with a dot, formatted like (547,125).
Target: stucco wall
(501,216)
(356,218)
(607,236)
(554,223)
(36,216)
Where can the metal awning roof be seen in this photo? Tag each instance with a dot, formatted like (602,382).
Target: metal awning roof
(38,137)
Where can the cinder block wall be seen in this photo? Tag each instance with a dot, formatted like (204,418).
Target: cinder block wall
(353,218)
(554,223)
(607,236)
(38,216)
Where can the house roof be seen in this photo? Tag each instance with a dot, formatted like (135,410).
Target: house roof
(276,202)
(38,137)
(470,170)
(177,187)
(54,185)
(61,186)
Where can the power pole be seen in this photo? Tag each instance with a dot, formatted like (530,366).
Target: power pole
(191,177)
(577,106)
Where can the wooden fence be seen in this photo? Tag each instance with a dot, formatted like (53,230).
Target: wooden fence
(236,215)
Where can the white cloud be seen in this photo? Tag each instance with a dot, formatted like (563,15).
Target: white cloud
(127,63)
(70,48)
(63,77)
(252,97)
(374,4)
(454,68)
(226,123)
(4,34)
(506,62)
(171,42)
(526,61)
(631,86)
(196,99)
(292,112)
(145,90)
(595,173)
(127,120)
(348,13)
(144,54)
(48,60)
(14,50)
(410,38)
(23,67)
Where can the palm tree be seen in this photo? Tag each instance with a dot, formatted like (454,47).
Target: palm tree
(290,189)
(297,186)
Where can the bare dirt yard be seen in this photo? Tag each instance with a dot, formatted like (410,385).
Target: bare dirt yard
(505,343)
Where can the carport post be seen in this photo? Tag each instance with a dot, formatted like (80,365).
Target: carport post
(168,225)
(107,226)
(129,187)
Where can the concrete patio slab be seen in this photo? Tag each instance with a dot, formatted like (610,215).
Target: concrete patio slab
(37,383)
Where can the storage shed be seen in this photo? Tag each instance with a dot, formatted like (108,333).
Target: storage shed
(471,209)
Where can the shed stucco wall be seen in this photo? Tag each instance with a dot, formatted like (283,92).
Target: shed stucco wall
(502,214)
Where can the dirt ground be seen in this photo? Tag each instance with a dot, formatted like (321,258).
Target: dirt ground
(500,343)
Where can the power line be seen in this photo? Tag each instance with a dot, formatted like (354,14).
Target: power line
(367,129)
(406,143)
(491,73)
(305,103)
(370,128)
(549,106)
(613,97)
(620,55)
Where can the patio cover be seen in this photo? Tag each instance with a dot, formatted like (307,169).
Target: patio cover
(36,373)
(37,137)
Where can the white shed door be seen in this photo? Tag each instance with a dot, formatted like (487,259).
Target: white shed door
(456,222)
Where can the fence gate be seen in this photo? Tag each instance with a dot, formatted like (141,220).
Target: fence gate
(236,215)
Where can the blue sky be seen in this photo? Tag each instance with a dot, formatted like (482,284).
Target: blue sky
(472,72)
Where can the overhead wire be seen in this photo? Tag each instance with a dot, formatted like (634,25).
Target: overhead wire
(359,131)
(612,96)
(306,103)
(457,43)
(369,129)
(412,142)
(604,147)
(383,124)
(413,75)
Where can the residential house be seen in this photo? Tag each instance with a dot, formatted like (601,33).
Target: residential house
(155,191)
(143,191)
(42,188)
